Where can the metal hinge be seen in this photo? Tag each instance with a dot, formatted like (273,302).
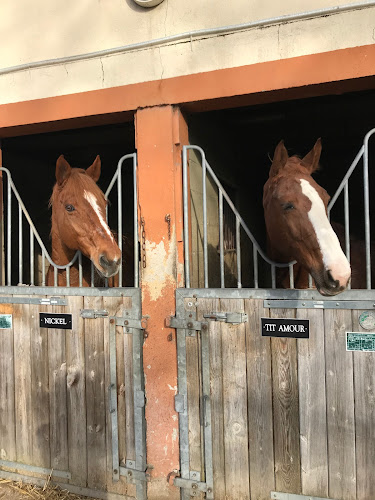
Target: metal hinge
(227,317)
(93,313)
(194,486)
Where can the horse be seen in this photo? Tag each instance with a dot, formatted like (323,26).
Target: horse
(295,211)
(78,222)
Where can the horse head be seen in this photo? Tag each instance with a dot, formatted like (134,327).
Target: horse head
(79,218)
(295,210)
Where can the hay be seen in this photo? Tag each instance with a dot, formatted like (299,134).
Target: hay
(48,491)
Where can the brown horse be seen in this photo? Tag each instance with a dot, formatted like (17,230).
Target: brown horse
(295,210)
(79,223)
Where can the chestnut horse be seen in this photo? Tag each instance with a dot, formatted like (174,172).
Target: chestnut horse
(295,210)
(79,223)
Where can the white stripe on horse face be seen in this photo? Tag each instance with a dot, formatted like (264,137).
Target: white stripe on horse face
(94,203)
(334,258)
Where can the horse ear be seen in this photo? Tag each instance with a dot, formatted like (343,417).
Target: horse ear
(94,170)
(280,157)
(311,160)
(63,170)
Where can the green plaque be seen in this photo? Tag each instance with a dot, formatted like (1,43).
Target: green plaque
(5,321)
(364,342)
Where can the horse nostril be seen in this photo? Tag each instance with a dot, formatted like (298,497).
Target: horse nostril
(332,282)
(103,261)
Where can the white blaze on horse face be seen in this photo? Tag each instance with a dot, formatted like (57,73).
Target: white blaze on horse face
(91,198)
(334,258)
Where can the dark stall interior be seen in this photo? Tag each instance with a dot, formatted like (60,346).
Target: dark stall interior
(239,144)
(32,159)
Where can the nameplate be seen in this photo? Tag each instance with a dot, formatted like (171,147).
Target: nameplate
(55,320)
(285,327)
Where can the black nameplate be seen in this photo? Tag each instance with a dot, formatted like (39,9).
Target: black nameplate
(286,327)
(55,320)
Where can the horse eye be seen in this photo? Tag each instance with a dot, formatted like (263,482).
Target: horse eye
(69,208)
(288,206)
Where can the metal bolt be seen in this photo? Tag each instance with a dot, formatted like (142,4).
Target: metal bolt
(170,337)
(190,304)
(127,330)
(111,321)
(204,327)
(145,335)
(337,303)
(194,486)
(303,303)
(209,490)
(130,473)
(115,471)
(190,315)
(126,322)
(194,474)
(190,324)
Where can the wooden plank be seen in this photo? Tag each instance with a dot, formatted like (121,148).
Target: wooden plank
(115,307)
(313,408)
(22,366)
(57,394)
(7,391)
(76,394)
(194,392)
(259,387)
(216,380)
(340,406)
(364,388)
(236,440)
(286,410)
(40,430)
(96,394)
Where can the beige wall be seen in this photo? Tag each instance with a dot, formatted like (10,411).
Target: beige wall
(39,30)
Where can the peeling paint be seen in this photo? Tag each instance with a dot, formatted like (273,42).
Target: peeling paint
(174,388)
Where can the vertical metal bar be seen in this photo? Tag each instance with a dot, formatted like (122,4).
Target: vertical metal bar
(119,220)
(205,242)
(273,276)
(291,276)
(347,224)
(92,274)
(9,231)
(238,253)
(32,257)
(310,281)
(67,276)
(55,276)
(366,198)
(112,396)
(80,270)
(186,216)
(255,266)
(221,239)
(136,228)
(43,268)
(20,246)
(207,427)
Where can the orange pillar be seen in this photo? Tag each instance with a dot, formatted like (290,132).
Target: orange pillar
(160,133)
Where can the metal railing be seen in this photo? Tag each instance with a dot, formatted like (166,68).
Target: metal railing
(241,225)
(34,236)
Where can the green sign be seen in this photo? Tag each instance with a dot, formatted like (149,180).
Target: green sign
(5,321)
(364,342)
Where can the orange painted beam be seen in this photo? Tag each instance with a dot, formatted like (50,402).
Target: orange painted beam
(160,131)
(217,88)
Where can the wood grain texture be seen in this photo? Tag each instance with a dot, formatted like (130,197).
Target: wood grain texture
(364,390)
(313,407)
(7,391)
(286,410)
(96,394)
(340,406)
(259,381)
(76,394)
(235,404)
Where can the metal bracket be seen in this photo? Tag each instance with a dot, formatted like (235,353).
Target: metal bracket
(228,317)
(319,304)
(185,324)
(49,301)
(134,475)
(138,324)
(93,313)
(194,486)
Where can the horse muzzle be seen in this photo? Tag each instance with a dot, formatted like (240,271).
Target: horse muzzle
(108,267)
(327,285)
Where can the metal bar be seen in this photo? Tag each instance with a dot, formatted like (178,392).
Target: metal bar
(71,291)
(366,200)
(43,269)
(221,240)
(33,468)
(255,267)
(92,273)
(319,304)
(119,221)
(55,275)
(347,225)
(113,400)
(291,276)
(32,257)
(273,276)
(186,216)
(20,246)
(310,281)
(9,232)
(207,428)
(205,242)
(277,495)
(136,223)
(80,270)
(55,301)
(238,253)
(67,276)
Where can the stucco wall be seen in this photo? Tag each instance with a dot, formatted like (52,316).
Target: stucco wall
(35,31)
